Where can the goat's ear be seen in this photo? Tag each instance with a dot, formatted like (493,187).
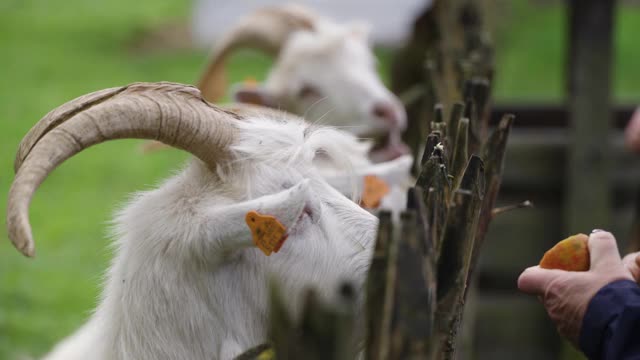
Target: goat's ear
(253,94)
(360,30)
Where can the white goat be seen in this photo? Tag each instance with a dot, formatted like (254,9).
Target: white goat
(323,71)
(395,173)
(187,281)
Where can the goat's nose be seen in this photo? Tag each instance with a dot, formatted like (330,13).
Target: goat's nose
(389,113)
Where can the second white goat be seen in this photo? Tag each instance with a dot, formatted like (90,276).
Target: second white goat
(324,71)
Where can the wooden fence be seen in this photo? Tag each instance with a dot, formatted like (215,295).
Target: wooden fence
(508,324)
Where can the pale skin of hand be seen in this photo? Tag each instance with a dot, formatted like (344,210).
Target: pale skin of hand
(632,263)
(632,141)
(566,294)
(632,132)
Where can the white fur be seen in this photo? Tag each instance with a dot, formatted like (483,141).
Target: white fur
(186,281)
(337,62)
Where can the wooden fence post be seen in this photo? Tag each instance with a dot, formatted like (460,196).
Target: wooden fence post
(588,193)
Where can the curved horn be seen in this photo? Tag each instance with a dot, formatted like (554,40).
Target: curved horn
(266,30)
(174,114)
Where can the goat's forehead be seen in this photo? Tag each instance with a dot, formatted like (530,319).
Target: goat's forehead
(290,126)
(326,48)
(272,127)
(293,140)
(274,134)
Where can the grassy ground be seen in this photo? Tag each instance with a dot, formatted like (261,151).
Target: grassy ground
(55,51)
(531,54)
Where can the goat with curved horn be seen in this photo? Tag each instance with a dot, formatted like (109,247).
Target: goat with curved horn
(193,256)
(141,110)
(266,30)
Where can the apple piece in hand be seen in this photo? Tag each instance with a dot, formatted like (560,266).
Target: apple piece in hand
(570,254)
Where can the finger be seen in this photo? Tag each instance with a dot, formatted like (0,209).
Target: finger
(534,280)
(631,262)
(636,274)
(629,259)
(603,249)
(632,132)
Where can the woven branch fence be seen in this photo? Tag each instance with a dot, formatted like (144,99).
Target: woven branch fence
(421,269)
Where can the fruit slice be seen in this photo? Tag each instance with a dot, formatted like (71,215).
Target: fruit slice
(570,254)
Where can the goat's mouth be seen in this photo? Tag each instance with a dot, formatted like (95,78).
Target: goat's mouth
(388,147)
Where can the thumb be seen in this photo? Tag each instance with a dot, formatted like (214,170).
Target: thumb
(535,280)
(603,249)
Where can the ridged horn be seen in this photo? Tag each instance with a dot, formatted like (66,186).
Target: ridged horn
(174,114)
(266,30)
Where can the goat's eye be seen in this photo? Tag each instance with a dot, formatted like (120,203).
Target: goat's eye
(308,91)
(287,185)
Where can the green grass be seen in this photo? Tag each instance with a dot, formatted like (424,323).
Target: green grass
(51,54)
(53,51)
(531,54)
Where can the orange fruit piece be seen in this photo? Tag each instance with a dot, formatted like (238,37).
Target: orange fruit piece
(374,190)
(267,232)
(570,254)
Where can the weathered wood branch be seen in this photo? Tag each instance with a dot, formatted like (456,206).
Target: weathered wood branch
(430,145)
(455,260)
(260,352)
(324,331)
(380,291)
(413,316)
(493,154)
(523,205)
(457,111)
(435,178)
(460,152)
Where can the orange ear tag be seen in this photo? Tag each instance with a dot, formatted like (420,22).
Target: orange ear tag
(268,233)
(374,190)
(250,82)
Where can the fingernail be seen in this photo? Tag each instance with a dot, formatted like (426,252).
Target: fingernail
(596,230)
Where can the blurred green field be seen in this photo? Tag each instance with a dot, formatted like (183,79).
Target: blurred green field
(55,51)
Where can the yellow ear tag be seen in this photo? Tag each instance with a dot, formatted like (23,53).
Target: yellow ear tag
(268,233)
(374,190)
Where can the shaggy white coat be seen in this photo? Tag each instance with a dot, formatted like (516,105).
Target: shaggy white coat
(186,281)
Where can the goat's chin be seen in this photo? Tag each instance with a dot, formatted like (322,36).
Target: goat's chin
(388,153)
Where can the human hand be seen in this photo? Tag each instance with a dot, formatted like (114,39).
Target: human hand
(632,263)
(566,294)
(632,132)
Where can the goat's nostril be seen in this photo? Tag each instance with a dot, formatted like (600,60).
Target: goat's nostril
(386,112)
